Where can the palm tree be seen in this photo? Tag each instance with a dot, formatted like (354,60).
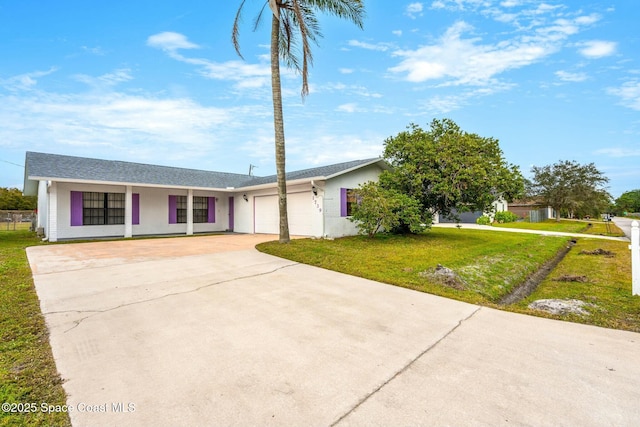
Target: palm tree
(293,22)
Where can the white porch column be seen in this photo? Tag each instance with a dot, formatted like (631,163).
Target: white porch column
(128,212)
(53,212)
(190,212)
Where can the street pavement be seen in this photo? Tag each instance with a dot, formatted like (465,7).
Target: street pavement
(624,224)
(208,331)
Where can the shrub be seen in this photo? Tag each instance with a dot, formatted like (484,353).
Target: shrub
(506,216)
(483,220)
(381,209)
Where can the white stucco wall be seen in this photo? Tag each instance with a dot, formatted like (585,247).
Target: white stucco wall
(334,224)
(43,207)
(154,212)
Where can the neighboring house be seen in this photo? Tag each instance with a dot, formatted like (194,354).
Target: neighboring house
(524,209)
(500,205)
(82,198)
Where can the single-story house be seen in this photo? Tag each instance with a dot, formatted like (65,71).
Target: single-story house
(532,208)
(80,198)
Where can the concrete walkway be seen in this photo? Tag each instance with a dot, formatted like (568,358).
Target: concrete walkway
(149,333)
(520,230)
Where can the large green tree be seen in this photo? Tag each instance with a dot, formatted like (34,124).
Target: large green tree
(629,201)
(11,199)
(570,188)
(447,169)
(294,26)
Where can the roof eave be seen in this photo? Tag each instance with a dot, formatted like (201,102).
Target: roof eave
(383,164)
(120,183)
(275,184)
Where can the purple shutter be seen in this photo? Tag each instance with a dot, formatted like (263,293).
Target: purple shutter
(211,209)
(76,208)
(343,202)
(135,220)
(173,210)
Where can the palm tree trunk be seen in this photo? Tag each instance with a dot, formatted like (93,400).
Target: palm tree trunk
(278,124)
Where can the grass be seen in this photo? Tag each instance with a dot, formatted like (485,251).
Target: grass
(27,370)
(606,285)
(11,226)
(489,264)
(567,226)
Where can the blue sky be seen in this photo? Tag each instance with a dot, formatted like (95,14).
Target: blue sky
(159,82)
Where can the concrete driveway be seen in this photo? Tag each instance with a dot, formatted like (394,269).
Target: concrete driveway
(208,331)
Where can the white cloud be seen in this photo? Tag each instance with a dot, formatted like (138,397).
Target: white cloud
(397,33)
(566,76)
(510,3)
(246,75)
(589,19)
(460,57)
(598,48)
(351,107)
(382,47)
(99,124)
(443,104)
(170,41)
(346,70)
(109,79)
(348,90)
(619,152)
(466,61)
(413,10)
(26,81)
(629,93)
(98,51)
(333,148)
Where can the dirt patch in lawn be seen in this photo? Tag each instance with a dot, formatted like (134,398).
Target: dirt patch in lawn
(598,251)
(532,282)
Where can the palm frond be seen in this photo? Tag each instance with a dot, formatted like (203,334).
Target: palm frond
(235,32)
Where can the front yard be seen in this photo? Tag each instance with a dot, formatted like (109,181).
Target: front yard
(488,266)
(28,374)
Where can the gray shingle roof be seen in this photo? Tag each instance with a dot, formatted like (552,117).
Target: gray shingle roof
(55,166)
(321,171)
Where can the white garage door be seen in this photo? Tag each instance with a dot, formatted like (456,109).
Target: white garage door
(299,208)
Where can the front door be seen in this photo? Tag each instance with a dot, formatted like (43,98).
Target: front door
(231,207)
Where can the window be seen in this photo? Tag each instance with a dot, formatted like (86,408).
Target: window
(181,206)
(351,201)
(203,209)
(200,209)
(102,208)
(347,201)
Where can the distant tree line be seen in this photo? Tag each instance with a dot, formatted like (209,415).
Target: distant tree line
(11,199)
(571,189)
(628,202)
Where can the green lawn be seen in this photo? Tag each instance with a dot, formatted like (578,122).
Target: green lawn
(567,226)
(603,280)
(489,264)
(27,370)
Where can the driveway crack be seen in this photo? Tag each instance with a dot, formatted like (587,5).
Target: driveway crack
(199,288)
(403,369)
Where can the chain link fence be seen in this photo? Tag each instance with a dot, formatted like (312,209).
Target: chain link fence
(17,220)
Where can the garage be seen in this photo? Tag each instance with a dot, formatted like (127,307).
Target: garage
(299,207)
